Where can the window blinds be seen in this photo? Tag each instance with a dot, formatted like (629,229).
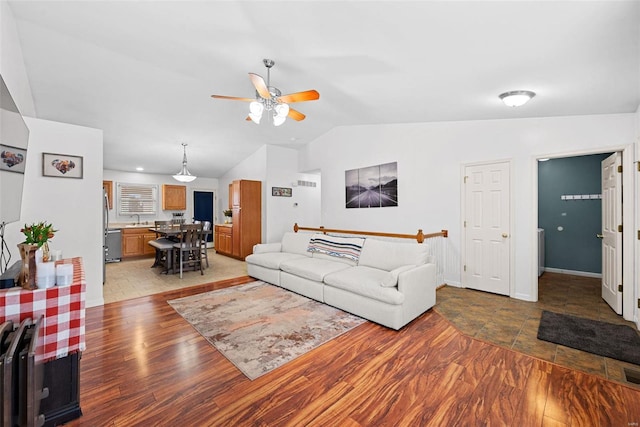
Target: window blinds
(137,199)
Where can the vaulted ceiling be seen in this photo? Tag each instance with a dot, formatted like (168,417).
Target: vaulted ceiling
(143,71)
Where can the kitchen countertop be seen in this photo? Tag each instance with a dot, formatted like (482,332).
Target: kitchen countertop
(119,225)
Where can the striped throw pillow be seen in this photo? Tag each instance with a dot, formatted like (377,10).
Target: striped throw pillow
(343,247)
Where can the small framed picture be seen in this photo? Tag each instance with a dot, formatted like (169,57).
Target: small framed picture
(281,191)
(12,159)
(61,165)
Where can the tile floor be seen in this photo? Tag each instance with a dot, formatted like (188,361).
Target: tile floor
(498,319)
(514,324)
(135,278)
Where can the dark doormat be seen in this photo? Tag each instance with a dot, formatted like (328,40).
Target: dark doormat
(619,342)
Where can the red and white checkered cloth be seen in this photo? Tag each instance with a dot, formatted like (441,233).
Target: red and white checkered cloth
(63,307)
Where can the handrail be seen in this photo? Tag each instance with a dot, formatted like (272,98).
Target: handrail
(419,236)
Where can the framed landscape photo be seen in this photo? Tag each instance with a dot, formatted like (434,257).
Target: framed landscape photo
(61,165)
(13,159)
(372,186)
(281,191)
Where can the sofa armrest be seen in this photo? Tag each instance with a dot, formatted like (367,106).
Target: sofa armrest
(419,288)
(261,248)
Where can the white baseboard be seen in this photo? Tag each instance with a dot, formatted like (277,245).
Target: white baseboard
(574,272)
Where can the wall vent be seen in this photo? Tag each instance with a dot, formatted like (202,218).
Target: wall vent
(302,183)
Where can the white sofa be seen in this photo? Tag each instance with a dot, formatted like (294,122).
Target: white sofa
(387,282)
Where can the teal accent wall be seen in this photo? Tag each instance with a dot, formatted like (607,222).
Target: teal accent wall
(576,246)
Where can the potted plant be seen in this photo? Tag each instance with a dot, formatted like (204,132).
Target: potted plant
(36,237)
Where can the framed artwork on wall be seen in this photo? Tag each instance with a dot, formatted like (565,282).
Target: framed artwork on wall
(61,165)
(13,159)
(372,186)
(281,191)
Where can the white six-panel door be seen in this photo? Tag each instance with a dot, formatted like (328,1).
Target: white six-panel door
(486,227)
(611,235)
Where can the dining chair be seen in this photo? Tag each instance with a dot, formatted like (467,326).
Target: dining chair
(164,247)
(189,248)
(206,227)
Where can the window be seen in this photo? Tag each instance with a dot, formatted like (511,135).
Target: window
(139,199)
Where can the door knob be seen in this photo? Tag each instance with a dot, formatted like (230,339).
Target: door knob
(505,235)
(599,236)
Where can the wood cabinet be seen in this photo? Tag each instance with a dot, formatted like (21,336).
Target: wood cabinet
(174,197)
(223,239)
(135,242)
(245,231)
(108,188)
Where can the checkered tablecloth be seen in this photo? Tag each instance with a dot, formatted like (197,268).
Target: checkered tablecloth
(63,308)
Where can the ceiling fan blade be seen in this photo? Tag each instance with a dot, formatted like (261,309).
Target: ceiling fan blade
(248,119)
(307,95)
(296,115)
(260,85)
(234,98)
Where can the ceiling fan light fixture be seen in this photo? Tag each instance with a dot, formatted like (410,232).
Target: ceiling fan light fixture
(255,118)
(516,98)
(278,120)
(282,110)
(256,108)
(184,175)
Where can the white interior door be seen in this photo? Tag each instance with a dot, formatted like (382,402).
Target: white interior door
(487,231)
(611,233)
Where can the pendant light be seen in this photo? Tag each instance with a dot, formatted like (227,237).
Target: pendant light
(184,175)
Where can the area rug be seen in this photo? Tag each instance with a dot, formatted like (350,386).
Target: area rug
(619,342)
(260,327)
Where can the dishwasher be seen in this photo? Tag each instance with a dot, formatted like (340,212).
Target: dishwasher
(113,245)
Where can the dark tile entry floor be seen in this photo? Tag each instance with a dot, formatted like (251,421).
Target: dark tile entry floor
(513,323)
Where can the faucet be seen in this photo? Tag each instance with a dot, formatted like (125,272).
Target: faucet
(138,215)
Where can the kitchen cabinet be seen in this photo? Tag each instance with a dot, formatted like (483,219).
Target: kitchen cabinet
(222,239)
(108,188)
(246,226)
(238,238)
(135,242)
(174,197)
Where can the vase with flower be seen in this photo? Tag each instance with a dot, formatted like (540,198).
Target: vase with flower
(37,236)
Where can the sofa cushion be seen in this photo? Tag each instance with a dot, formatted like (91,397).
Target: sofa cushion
(335,246)
(312,268)
(271,259)
(388,255)
(347,261)
(296,243)
(391,278)
(365,281)
(267,247)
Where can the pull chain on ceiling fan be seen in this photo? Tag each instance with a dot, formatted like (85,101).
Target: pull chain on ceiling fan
(269,98)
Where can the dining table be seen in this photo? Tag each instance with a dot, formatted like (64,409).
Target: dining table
(171,232)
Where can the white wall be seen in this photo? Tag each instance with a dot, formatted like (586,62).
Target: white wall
(253,168)
(304,205)
(12,63)
(276,167)
(73,206)
(430,157)
(199,184)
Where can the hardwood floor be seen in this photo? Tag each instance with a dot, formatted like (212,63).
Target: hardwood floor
(145,365)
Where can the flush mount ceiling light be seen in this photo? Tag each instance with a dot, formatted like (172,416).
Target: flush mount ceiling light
(184,175)
(516,98)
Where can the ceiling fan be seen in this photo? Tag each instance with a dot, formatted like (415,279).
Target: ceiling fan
(269,98)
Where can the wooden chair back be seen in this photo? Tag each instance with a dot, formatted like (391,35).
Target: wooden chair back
(190,236)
